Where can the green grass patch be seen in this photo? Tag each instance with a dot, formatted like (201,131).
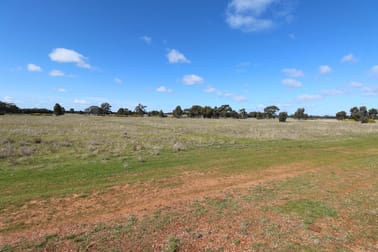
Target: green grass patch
(309,209)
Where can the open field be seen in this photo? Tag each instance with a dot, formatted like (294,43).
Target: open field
(149,184)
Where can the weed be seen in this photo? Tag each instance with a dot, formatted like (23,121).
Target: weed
(309,209)
(173,244)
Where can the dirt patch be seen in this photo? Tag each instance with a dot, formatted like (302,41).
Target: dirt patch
(77,213)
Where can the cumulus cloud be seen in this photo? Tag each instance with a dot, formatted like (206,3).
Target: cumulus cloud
(356,84)
(118,81)
(370,91)
(192,79)
(307,97)
(146,39)
(210,89)
(324,69)
(63,55)
(257,15)
(332,92)
(61,90)
(80,101)
(56,73)
(293,72)
(232,96)
(8,99)
(34,68)
(174,57)
(163,89)
(292,83)
(374,70)
(349,58)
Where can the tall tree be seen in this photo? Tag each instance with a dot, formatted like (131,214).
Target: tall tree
(58,110)
(300,114)
(243,114)
(140,109)
(373,113)
(177,112)
(105,107)
(270,111)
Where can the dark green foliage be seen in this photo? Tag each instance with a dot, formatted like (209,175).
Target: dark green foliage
(342,115)
(105,107)
(140,109)
(177,112)
(161,114)
(373,113)
(270,111)
(8,108)
(58,110)
(243,114)
(94,110)
(123,112)
(282,117)
(300,114)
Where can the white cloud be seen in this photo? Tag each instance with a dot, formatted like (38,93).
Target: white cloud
(292,83)
(34,68)
(293,72)
(118,81)
(64,55)
(210,89)
(356,84)
(324,69)
(56,73)
(192,79)
(257,15)
(349,58)
(374,70)
(61,90)
(80,102)
(306,97)
(175,57)
(239,98)
(146,39)
(8,99)
(163,89)
(234,97)
(332,92)
(370,91)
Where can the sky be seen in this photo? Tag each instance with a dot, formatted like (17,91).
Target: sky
(318,54)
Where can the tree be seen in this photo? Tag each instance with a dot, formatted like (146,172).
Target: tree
(161,114)
(282,116)
(373,113)
(195,111)
(270,111)
(93,110)
(225,110)
(243,114)
(207,112)
(140,109)
(177,112)
(58,110)
(299,114)
(342,115)
(355,114)
(105,107)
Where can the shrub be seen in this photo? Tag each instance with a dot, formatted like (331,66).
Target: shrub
(282,116)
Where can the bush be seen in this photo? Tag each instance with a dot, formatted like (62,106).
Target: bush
(282,117)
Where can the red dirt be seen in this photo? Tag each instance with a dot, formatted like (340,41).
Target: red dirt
(76,213)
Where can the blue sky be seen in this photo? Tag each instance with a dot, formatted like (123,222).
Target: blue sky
(317,54)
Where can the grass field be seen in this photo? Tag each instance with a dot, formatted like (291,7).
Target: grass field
(91,183)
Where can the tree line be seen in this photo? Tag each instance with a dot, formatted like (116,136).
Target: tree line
(362,113)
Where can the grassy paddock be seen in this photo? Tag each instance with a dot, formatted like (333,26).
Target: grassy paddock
(55,157)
